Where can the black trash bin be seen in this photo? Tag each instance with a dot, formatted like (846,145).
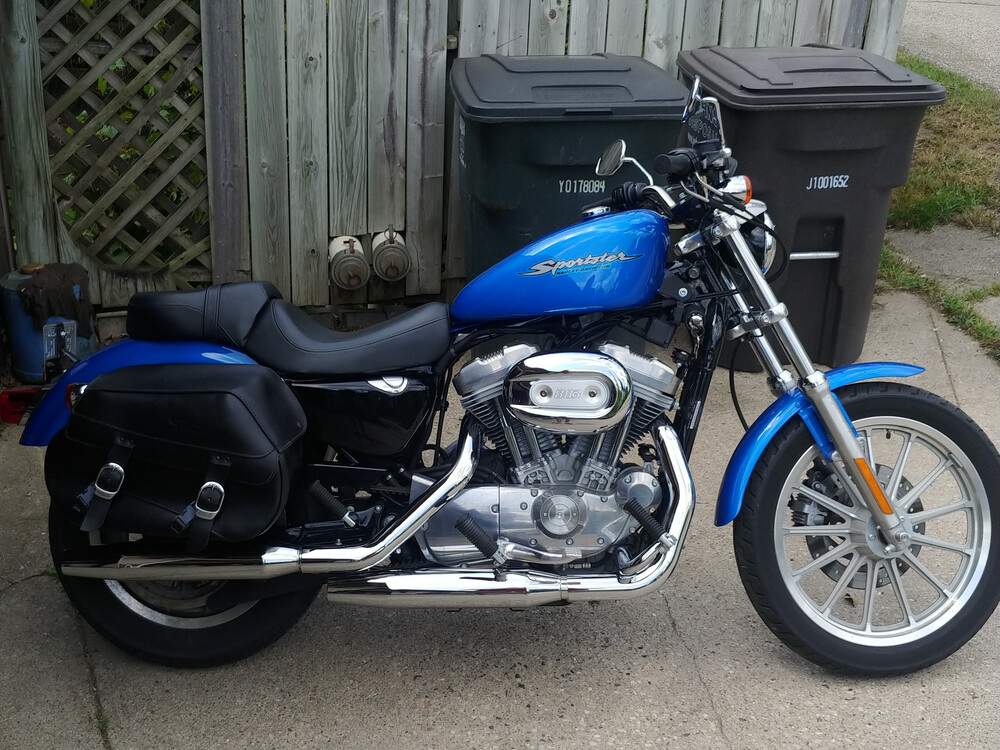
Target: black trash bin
(824,133)
(531,130)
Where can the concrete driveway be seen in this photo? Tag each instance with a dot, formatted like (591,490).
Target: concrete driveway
(691,667)
(959,35)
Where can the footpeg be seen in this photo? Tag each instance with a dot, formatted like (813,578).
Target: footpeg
(648,523)
(340,511)
(480,538)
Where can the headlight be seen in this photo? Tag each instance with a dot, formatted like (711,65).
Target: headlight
(761,242)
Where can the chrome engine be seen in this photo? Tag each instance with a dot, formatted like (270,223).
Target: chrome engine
(562,422)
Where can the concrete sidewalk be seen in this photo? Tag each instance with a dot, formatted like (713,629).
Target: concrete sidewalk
(691,667)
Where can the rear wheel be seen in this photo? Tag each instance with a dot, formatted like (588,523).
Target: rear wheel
(814,563)
(179,623)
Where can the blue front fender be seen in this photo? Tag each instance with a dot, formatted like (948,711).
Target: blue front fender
(761,432)
(52,412)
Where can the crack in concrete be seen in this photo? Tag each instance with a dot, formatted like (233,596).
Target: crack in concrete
(697,671)
(944,359)
(100,718)
(19,581)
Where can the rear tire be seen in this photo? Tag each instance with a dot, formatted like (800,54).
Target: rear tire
(833,595)
(173,622)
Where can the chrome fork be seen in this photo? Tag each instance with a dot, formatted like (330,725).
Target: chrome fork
(844,447)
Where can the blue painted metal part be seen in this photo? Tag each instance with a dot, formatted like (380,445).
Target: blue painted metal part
(52,413)
(762,431)
(611,262)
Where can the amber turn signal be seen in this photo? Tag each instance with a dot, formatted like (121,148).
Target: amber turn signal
(874,486)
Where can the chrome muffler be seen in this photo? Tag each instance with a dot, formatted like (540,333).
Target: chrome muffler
(481,587)
(281,561)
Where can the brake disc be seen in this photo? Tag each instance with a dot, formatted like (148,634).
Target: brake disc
(806,512)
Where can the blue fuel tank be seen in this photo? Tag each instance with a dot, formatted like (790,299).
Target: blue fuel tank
(611,262)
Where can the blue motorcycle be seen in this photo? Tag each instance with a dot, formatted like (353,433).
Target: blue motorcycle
(211,472)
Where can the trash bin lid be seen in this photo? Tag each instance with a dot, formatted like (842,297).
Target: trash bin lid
(810,77)
(496,88)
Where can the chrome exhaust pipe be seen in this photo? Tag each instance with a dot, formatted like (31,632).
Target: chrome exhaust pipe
(281,561)
(481,587)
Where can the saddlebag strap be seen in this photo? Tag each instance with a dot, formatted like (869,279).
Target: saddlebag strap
(95,501)
(197,519)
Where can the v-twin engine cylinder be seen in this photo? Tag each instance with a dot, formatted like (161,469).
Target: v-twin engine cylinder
(561,422)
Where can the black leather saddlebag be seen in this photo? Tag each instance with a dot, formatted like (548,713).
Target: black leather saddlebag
(179,451)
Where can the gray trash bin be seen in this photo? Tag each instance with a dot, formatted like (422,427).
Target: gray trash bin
(531,130)
(824,133)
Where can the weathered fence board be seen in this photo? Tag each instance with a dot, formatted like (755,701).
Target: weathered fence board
(884,26)
(702,19)
(34,213)
(225,117)
(847,22)
(739,23)
(307,152)
(547,27)
(588,27)
(479,26)
(776,23)
(6,236)
(664,34)
(387,52)
(512,27)
(626,20)
(812,21)
(425,144)
(267,141)
(348,115)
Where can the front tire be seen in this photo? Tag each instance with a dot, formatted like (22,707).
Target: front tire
(174,622)
(814,565)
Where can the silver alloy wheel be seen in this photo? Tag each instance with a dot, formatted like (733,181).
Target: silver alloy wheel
(174,604)
(163,604)
(923,593)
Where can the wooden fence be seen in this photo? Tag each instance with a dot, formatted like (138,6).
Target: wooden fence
(233,139)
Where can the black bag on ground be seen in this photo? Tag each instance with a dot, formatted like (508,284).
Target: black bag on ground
(179,451)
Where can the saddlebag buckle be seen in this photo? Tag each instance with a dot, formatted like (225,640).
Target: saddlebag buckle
(209,501)
(109,480)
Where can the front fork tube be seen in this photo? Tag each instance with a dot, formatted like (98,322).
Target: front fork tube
(847,446)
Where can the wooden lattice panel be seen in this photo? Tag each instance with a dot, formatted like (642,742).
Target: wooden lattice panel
(124,109)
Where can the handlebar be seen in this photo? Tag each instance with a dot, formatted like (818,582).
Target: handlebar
(627,196)
(681,163)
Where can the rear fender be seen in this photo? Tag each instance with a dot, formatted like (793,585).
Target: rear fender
(52,413)
(762,431)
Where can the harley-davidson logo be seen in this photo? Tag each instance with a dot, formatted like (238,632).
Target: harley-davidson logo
(582,263)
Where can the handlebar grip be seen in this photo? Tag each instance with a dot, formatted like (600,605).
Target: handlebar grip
(678,163)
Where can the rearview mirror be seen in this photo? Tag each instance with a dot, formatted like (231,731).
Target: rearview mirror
(612,159)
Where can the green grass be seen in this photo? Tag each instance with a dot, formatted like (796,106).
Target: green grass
(956,158)
(897,273)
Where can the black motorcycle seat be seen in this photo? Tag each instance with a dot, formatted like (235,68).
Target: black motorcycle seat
(252,317)
(289,341)
(222,314)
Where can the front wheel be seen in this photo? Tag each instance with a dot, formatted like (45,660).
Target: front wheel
(814,563)
(178,623)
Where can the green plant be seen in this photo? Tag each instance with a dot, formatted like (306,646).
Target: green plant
(956,158)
